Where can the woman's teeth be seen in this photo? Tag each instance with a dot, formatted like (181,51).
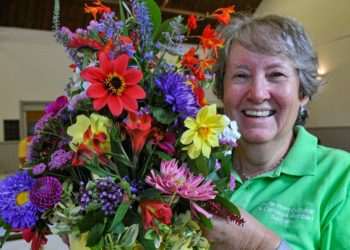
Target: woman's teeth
(260,113)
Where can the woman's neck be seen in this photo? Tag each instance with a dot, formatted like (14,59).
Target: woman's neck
(254,158)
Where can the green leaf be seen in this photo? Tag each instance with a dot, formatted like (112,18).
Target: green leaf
(155,14)
(89,221)
(163,156)
(202,164)
(150,193)
(119,228)
(227,204)
(130,235)
(96,171)
(95,235)
(163,116)
(122,18)
(120,158)
(4,237)
(119,215)
(164,27)
(205,221)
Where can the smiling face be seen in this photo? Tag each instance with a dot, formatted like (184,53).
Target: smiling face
(261,94)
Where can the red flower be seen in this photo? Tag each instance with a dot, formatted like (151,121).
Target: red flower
(225,16)
(138,127)
(84,42)
(113,84)
(199,93)
(190,59)
(37,239)
(98,9)
(210,40)
(191,23)
(164,140)
(152,209)
(202,65)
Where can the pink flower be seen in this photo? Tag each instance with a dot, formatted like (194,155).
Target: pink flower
(178,180)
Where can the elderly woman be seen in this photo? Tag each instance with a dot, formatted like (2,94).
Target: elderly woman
(292,192)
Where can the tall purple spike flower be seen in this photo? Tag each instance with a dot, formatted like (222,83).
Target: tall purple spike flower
(178,93)
(16,208)
(46,192)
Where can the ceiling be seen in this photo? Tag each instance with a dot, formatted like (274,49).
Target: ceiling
(37,14)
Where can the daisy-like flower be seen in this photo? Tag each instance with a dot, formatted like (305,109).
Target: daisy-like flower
(16,207)
(178,180)
(202,132)
(178,94)
(113,84)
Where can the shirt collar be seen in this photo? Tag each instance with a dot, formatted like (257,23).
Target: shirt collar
(302,157)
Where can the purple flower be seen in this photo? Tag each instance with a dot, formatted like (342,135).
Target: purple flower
(60,159)
(178,94)
(53,108)
(39,169)
(16,208)
(46,192)
(232,183)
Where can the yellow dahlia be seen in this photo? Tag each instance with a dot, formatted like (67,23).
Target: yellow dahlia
(201,134)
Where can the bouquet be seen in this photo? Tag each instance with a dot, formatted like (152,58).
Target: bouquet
(133,157)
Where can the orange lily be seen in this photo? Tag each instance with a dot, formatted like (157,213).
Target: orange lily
(99,8)
(224,17)
(210,40)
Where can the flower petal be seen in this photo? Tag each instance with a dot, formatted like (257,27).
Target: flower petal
(135,91)
(132,76)
(93,75)
(106,64)
(130,104)
(115,105)
(206,149)
(100,102)
(121,64)
(96,90)
(191,123)
(187,137)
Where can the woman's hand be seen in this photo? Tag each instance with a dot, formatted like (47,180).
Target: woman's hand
(252,235)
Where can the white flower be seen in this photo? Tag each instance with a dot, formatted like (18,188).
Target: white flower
(78,82)
(230,135)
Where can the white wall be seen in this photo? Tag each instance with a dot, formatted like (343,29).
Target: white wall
(33,67)
(328,23)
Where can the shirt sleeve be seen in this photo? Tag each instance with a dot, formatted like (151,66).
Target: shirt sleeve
(336,234)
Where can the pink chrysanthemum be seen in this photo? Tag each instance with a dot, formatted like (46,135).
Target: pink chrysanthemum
(178,180)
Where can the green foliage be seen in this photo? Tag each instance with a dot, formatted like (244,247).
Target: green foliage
(95,235)
(154,12)
(119,215)
(163,115)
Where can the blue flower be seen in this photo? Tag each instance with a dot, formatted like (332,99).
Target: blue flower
(16,208)
(178,94)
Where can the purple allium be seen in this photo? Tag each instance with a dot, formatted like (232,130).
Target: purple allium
(178,94)
(39,169)
(16,208)
(54,107)
(60,159)
(46,192)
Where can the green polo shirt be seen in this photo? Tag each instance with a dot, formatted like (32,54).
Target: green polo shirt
(306,200)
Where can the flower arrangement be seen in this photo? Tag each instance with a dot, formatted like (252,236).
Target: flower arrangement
(133,157)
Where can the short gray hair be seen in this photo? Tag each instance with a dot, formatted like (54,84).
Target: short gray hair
(271,34)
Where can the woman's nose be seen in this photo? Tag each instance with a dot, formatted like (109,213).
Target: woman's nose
(259,91)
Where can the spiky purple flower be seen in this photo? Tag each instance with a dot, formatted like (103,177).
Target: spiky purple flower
(46,192)
(178,94)
(16,208)
(54,107)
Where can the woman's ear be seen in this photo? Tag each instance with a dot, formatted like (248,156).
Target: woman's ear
(304,101)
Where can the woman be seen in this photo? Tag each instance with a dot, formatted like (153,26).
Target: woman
(293,193)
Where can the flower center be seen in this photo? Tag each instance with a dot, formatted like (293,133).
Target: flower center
(204,132)
(22,198)
(115,84)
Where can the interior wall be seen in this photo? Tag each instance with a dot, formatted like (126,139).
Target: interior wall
(327,23)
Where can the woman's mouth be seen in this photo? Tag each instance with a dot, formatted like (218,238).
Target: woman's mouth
(258,113)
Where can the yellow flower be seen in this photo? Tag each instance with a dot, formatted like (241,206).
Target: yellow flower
(91,131)
(202,132)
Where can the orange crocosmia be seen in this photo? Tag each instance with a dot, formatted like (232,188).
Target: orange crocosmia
(210,40)
(198,93)
(99,8)
(202,65)
(189,59)
(224,17)
(191,23)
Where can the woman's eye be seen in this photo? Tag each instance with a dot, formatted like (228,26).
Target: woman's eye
(240,76)
(276,74)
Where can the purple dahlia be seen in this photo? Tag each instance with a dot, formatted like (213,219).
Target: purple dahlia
(46,192)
